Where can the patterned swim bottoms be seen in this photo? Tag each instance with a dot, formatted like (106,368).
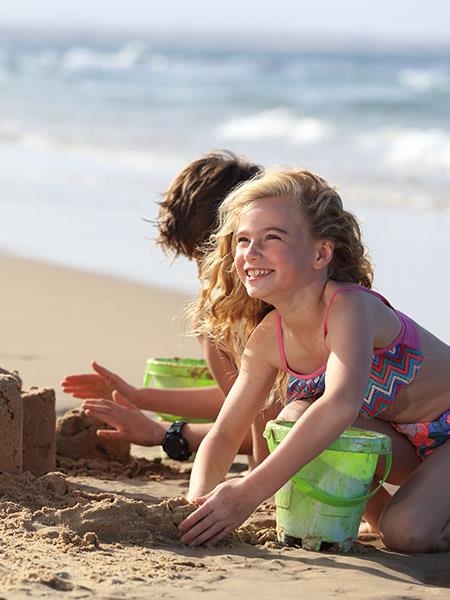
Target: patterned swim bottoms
(426,437)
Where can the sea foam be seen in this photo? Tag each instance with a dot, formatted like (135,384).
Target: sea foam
(411,149)
(277,123)
(425,80)
(80,58)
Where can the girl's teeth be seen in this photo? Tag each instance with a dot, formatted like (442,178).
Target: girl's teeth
(258,273)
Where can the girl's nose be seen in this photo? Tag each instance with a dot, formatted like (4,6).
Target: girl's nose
(252,250)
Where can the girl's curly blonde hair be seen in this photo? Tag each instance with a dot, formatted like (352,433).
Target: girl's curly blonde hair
(224,311)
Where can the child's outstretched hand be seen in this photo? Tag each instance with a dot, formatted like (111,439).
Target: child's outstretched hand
(219,513)
(129,422)
(97,385)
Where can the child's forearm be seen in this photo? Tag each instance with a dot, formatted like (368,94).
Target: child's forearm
(195,433)
(213,460)
(190,402)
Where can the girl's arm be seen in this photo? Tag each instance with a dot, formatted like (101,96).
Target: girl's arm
(189,402)
(246,398)
(350,339)
(194,403)
(131,424)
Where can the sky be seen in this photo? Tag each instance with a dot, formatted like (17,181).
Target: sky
(411,21)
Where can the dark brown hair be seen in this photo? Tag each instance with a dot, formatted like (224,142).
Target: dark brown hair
(188,214)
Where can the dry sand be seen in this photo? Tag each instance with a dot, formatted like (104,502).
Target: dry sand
(54,321)
(102,529)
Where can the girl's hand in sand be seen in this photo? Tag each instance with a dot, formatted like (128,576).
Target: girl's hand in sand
(219,513)
(129,422)
(97,385)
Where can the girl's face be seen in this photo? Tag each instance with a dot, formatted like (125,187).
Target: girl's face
(275,253)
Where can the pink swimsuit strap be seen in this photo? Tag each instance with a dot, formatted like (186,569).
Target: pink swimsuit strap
(282,354)
(408,334)
(281,342)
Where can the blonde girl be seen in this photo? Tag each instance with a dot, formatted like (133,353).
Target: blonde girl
(289,273)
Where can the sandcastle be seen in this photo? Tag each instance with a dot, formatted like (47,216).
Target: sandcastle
(27,427)
(31,437)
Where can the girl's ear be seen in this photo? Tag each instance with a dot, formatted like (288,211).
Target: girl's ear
(324,254)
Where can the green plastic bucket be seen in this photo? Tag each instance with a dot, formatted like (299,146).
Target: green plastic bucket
(178,373)
(325,500)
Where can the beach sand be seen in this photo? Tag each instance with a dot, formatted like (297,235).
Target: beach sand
(55,320)
(97,529)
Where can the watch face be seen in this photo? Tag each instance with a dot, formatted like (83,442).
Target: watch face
(176,447)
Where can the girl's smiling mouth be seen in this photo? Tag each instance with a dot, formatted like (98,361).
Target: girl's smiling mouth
(257,273)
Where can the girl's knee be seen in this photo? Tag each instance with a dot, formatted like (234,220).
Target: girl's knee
(293,411)
(398,529)
(396,538)
(406,530)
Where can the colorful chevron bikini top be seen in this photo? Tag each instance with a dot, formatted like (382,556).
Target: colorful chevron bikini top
(392,367)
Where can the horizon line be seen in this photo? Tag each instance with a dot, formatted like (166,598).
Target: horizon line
(273,40)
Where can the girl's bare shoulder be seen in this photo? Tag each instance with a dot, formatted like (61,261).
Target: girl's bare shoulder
(268,325)
(263,338)
(340,298)
(260,357)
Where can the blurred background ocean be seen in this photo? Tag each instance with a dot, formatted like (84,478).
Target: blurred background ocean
(94,126)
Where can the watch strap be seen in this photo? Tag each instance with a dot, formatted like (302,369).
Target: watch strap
(177,427)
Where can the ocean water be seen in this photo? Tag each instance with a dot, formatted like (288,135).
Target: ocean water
(92,129)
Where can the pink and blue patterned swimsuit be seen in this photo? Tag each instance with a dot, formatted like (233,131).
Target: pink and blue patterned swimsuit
(392,368)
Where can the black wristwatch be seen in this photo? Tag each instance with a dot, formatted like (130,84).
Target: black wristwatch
(175,444)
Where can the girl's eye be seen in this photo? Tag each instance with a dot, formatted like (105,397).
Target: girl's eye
(242,240)
(273,236)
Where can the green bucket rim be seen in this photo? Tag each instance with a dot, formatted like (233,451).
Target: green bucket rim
(352,439)
(193,368)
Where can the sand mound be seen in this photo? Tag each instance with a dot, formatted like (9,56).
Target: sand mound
(40,503)
(116,519)
(53,509)
(58,536)
(76,437)
(26,487)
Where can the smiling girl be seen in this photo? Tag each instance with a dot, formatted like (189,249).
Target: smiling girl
(288,273)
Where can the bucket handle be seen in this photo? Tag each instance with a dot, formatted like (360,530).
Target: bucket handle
(309,490)
(319,495)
